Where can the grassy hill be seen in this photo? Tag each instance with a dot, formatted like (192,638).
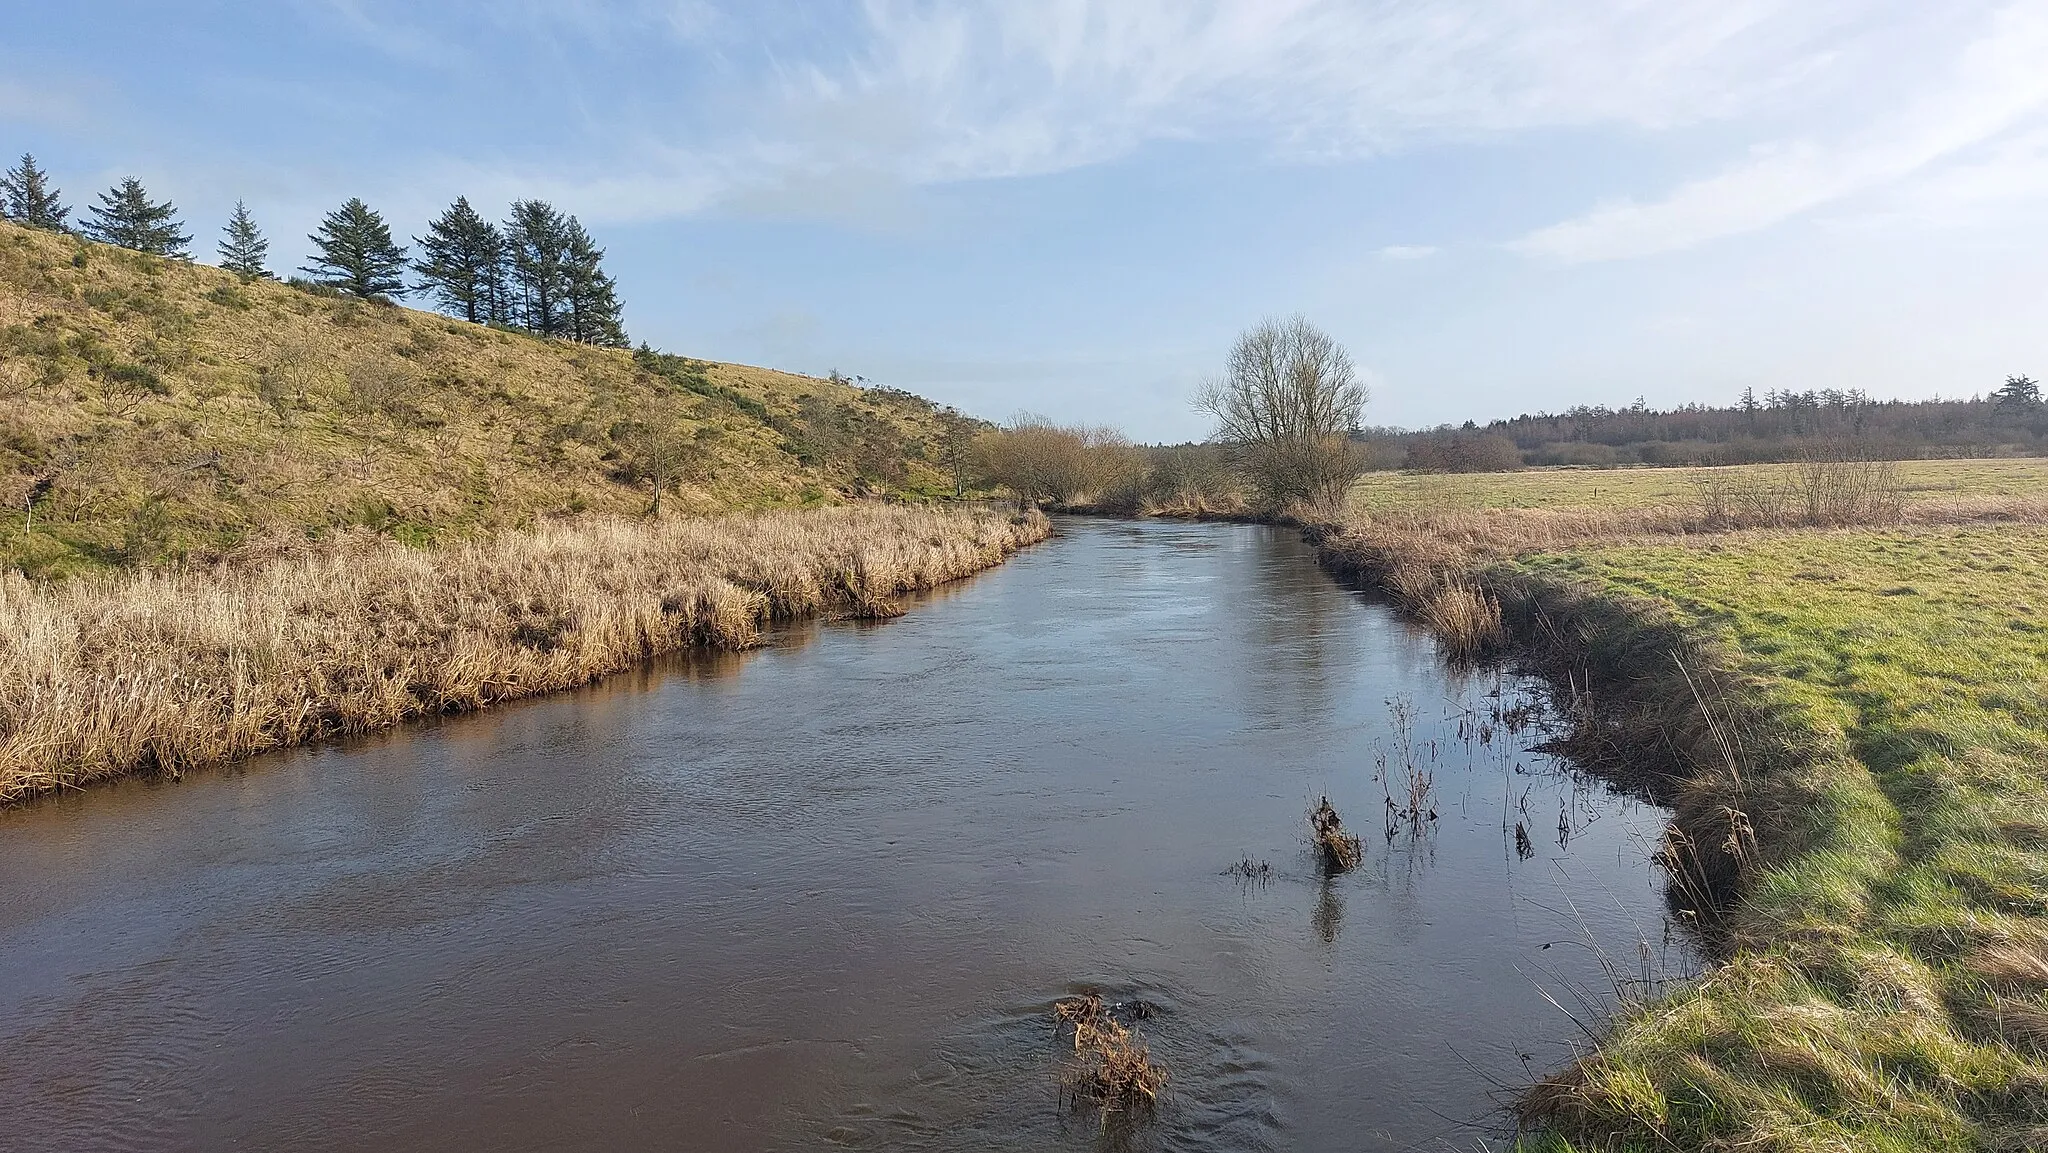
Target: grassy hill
(154,409)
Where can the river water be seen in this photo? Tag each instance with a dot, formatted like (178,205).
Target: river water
(824,894)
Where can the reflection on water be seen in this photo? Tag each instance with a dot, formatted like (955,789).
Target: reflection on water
(827,893)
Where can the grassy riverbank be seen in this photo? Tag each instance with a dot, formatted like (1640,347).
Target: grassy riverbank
(158,671)
(1850,725)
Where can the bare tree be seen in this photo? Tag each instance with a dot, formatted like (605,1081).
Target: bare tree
(657,451)
(1288,404)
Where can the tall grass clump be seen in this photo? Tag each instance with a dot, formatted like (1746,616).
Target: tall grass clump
(159,671)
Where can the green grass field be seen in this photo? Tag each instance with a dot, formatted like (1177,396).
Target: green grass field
(1647,487)
(1892,993)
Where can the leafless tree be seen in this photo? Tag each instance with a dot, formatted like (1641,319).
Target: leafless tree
(1288,403)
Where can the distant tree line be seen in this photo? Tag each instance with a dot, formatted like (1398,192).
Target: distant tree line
(1778,426)
(539,272)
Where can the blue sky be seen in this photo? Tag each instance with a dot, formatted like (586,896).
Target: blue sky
(1071,207)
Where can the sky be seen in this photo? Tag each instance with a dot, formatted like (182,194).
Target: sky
(1072,207)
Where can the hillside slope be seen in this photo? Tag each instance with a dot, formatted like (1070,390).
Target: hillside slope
(153,409)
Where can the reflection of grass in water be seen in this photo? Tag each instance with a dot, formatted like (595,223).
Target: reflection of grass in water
(1328,917)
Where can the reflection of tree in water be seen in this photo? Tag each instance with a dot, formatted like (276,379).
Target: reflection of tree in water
(1328,917)
(1296,629)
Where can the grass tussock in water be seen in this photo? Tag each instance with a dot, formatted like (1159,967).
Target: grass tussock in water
(161,671)
(1338,850)
(1112,1068)
(1851,725)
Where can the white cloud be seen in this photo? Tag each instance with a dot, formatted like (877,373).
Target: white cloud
(1996,85)
(908,92)
(962,91)
(1407,251)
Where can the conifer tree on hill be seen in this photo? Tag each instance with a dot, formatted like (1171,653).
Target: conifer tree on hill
(591,295)
(537,251)
(126,216)
(243,249)
(462,264)
(27,198)
(357,254)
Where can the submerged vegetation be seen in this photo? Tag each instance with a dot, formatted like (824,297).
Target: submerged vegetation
(1849,721)
(159,671)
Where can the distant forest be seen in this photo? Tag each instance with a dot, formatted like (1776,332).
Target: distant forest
(1779,426)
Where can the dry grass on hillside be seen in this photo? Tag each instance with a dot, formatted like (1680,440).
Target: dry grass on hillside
(156,410)
(159,671)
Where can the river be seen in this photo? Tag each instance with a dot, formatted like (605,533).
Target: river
(825,893)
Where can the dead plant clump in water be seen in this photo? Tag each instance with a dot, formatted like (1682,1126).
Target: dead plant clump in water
(1340,851)
(1112,1068)
(163,671)
(1250,870)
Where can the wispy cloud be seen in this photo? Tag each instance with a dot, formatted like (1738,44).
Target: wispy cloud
(913,92)
(1407,251)
(1995,86)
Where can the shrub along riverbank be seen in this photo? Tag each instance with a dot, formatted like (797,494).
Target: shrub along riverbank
(159,671)
(1849,723)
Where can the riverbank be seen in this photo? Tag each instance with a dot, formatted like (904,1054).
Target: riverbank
(1849,724)
(162,671)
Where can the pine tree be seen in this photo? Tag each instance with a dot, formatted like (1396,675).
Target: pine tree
(27,198)
(244,249)
(357,254)
(537,249)
(2020,392)
(125,216)
(591,295)
(463,263)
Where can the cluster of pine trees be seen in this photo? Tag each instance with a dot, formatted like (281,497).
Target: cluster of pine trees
(540,272)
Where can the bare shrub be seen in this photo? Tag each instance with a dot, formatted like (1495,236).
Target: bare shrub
(1836,483)
(1192,479)
(1038,460)
(376,385)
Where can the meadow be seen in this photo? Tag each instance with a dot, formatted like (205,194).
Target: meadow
(1920,481)
(159,671)
(1851,724)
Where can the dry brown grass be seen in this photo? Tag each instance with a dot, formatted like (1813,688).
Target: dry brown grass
(161,671)
(1112,1067)
(1339,851)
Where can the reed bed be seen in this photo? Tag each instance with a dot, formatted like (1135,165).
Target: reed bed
(164,671)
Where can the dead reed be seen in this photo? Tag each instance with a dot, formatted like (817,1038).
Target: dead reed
(1340,851)
(163,671)
(1112,1068)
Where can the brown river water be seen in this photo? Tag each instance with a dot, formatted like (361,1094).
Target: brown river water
(824,894)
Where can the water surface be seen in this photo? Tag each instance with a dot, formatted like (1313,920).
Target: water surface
(825,894)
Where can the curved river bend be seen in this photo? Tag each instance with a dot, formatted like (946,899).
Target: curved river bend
(824,894)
